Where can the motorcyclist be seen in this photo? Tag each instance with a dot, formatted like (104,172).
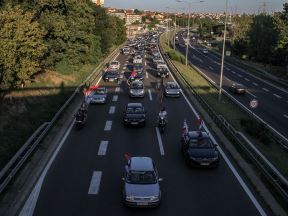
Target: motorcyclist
(163,113)
(84,109)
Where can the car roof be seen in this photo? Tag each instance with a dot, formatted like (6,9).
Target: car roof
(198,134)
(141,164)
(134,105)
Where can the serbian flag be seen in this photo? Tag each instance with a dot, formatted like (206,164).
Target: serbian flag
(185,129)
(133,74)
(90,89)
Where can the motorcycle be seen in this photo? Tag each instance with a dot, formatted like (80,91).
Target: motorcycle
(161,123)
(80,120)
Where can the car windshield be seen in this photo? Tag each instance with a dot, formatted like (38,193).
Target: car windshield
(134,110)
(99,91)
(204,142)
(114,63)
(172,86)
(138,177)
(112,72)
(137,85)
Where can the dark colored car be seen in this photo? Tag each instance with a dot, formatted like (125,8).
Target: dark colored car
(163,72)
(237,88)
(141,187)
(134,115)
(138,68)
(199,150)
(111,76)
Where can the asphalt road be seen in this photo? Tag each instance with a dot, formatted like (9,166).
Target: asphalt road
(67,188)
(273,100)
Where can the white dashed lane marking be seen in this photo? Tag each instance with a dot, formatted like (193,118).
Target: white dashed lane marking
(265,89)
(211,68)
(233,72)
(124,68)
(103,148)
(150,95)
(278,96)
(112,109)
(145,63)
(239,75)
(160,142)
(146,75)
(119,82)
(115,98)
(108,126)
(247,79)
(117,89)
(286,116)
(121,76)
(255,84)
(95,183)
(123,71)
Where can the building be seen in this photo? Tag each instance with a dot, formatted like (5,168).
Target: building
(132,18)
(98,2)
(120,15)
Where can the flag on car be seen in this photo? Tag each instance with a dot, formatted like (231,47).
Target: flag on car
(133,74)
(185,129)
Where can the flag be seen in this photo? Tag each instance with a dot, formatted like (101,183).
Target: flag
(127,156)
(185,132)
(133,74)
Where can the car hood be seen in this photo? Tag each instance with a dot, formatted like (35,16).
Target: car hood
(175,91)
(137,91)
(139,190)
(202,152)
(135,116)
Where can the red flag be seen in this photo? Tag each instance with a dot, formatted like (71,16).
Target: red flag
(127,156)
(198,121)
(133,74)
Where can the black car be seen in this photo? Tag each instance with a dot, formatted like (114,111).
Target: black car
(111,76)
(199,150)
(237,88)
(163,72)
(134,115)
(138,68)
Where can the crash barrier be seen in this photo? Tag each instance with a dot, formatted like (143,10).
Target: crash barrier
(15,163)
(275,178)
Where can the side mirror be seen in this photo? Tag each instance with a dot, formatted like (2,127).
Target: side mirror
(160,179)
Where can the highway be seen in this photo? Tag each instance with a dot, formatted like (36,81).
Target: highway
(272,100)
(84,176)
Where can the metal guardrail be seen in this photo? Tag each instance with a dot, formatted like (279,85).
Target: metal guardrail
(12,167)
(276,179)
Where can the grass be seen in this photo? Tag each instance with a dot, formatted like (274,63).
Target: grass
(22,111)
(239,119)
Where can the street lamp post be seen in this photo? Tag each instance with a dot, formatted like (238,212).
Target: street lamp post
(223,54)
(188,39)
(175,29)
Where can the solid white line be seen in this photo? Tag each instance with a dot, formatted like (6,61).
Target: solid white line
(95,183)
(103,148)
(251,94)
(255,84)
(286,116)
(278,96)
(30,204)
(242,183)
(108,126)
(112,109)
(117,89)
(146,75)
(247,79)
(265,89)
(160,142)
(115,98)
(150,95)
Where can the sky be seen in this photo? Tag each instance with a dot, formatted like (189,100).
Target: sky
(234,6)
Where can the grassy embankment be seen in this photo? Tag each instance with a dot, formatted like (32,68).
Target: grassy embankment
(239,119)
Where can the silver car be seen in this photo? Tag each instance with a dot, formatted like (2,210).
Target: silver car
(137,89)
(98,96)
(172,90)
(141,187)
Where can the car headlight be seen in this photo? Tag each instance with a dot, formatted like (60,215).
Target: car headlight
(154,198)
(129,198)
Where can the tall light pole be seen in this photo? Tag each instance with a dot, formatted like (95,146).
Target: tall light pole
(223,54)
(188,39)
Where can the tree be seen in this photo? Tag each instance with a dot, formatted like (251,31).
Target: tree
(263,37)
(22,46)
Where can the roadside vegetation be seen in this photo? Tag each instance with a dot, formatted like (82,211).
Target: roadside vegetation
(239,119)
(48,47)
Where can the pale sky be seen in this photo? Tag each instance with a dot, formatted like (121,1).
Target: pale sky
(234,6)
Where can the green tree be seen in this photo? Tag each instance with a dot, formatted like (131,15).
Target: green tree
(22,46)
(263,38)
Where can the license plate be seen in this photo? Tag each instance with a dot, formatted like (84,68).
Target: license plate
(205,164)
(134,123)
(142,203)
(111,80)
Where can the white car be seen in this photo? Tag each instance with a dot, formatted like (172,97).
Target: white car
(161,65)
(205,51)
(137,60)
(114,65)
